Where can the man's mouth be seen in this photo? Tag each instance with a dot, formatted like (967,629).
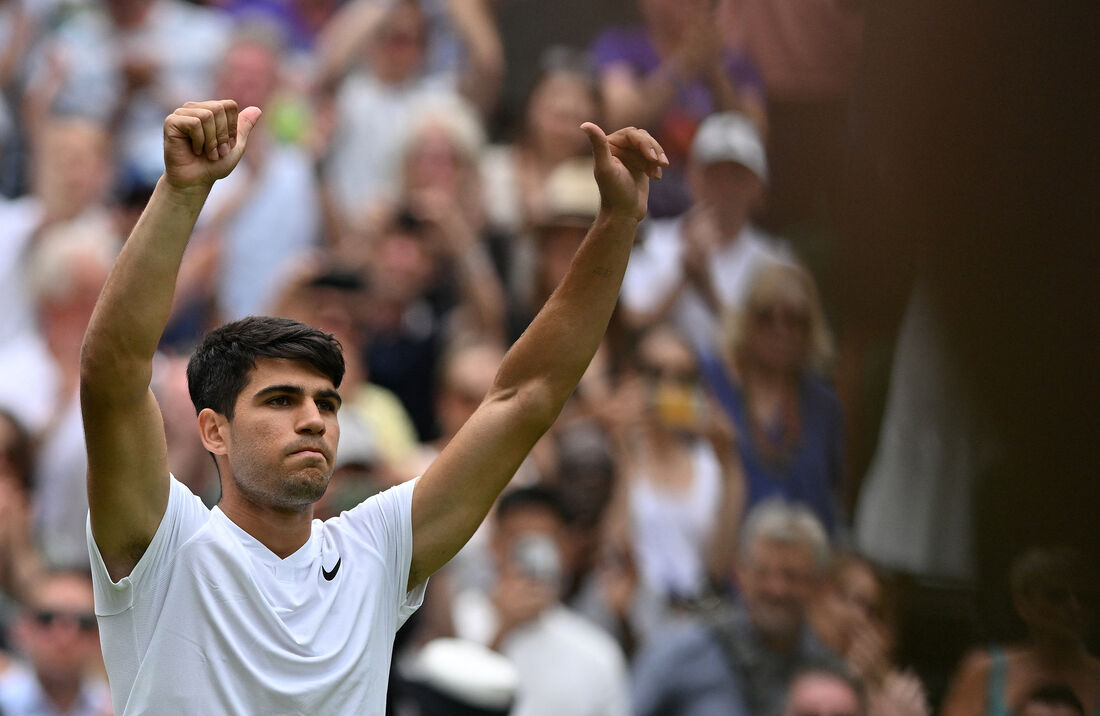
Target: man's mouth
(310,452)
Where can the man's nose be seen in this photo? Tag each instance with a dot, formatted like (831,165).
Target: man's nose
(310,420)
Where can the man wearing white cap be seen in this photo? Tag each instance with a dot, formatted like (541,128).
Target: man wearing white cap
(692,268)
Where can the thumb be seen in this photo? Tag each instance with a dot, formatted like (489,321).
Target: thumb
(246,121)
(601,150)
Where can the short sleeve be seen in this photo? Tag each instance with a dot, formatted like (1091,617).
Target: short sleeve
(384,522)
(183,517)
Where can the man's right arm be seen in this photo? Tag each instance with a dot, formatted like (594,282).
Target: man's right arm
(123,427)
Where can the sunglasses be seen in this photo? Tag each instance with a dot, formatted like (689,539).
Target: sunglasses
(774,315)
(657,373)
(84,621)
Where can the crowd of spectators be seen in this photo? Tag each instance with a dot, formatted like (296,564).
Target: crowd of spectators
(691,536)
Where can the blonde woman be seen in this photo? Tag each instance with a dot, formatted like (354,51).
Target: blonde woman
(770,379)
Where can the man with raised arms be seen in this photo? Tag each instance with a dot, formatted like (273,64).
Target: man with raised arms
(254,607)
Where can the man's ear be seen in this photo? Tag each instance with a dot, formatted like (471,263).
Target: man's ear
(214,431)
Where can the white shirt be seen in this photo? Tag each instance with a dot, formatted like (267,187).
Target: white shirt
(212,622)
(656,269)
(566,664)
(671,527)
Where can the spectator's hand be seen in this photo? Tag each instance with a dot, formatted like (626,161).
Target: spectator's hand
(625,162)
(519,599)
(700,236)
(203,141)
(867,654)
(901,694)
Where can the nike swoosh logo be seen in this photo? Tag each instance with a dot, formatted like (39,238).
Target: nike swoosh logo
(329,575)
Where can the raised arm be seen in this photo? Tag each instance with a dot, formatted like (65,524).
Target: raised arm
(541,370)
(123,428)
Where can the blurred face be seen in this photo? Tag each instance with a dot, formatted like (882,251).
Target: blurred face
(822,695)
(59,633)
(853,603)
(65,318)
(72,168)
(557,246)
(558,107)
(1054,612)
(282,440)
(671,377)
(530,541)
(778,330)
(729,189)
(402,267)
(469,377)
(434,162)
(777,581)
(400,46)
(249,74)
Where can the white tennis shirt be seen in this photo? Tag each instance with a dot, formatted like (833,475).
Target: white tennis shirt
(212,622)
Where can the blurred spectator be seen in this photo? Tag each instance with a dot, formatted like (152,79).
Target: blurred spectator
(824,692)
(67,270)
(264,216)
(375,103)
(563,96)
(769,378)
(807,52)
(690,269)
(125,64)
(676,454)
(669,74)
(739,661)
(440,184)
(414,304)
(335,299)
(58,635)
(854,616)
(71,173)
(1053,590)
(20,563)
(566,665)
(571,202)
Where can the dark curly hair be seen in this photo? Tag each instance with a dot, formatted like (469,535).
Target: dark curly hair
(220,366)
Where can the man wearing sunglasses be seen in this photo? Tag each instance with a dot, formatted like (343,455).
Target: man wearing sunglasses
(57,634)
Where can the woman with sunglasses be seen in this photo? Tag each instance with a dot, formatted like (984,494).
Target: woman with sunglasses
(769,377)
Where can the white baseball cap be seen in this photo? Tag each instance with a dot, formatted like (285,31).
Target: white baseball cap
(730,137)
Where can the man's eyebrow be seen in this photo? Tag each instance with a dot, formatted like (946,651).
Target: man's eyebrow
(331,394)
(280,389)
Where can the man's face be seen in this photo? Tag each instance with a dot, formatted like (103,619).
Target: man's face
(59,633)
(283,435)
(777,580)
(822,695)
(730,189)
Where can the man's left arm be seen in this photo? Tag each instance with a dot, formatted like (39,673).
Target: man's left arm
(542,368)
